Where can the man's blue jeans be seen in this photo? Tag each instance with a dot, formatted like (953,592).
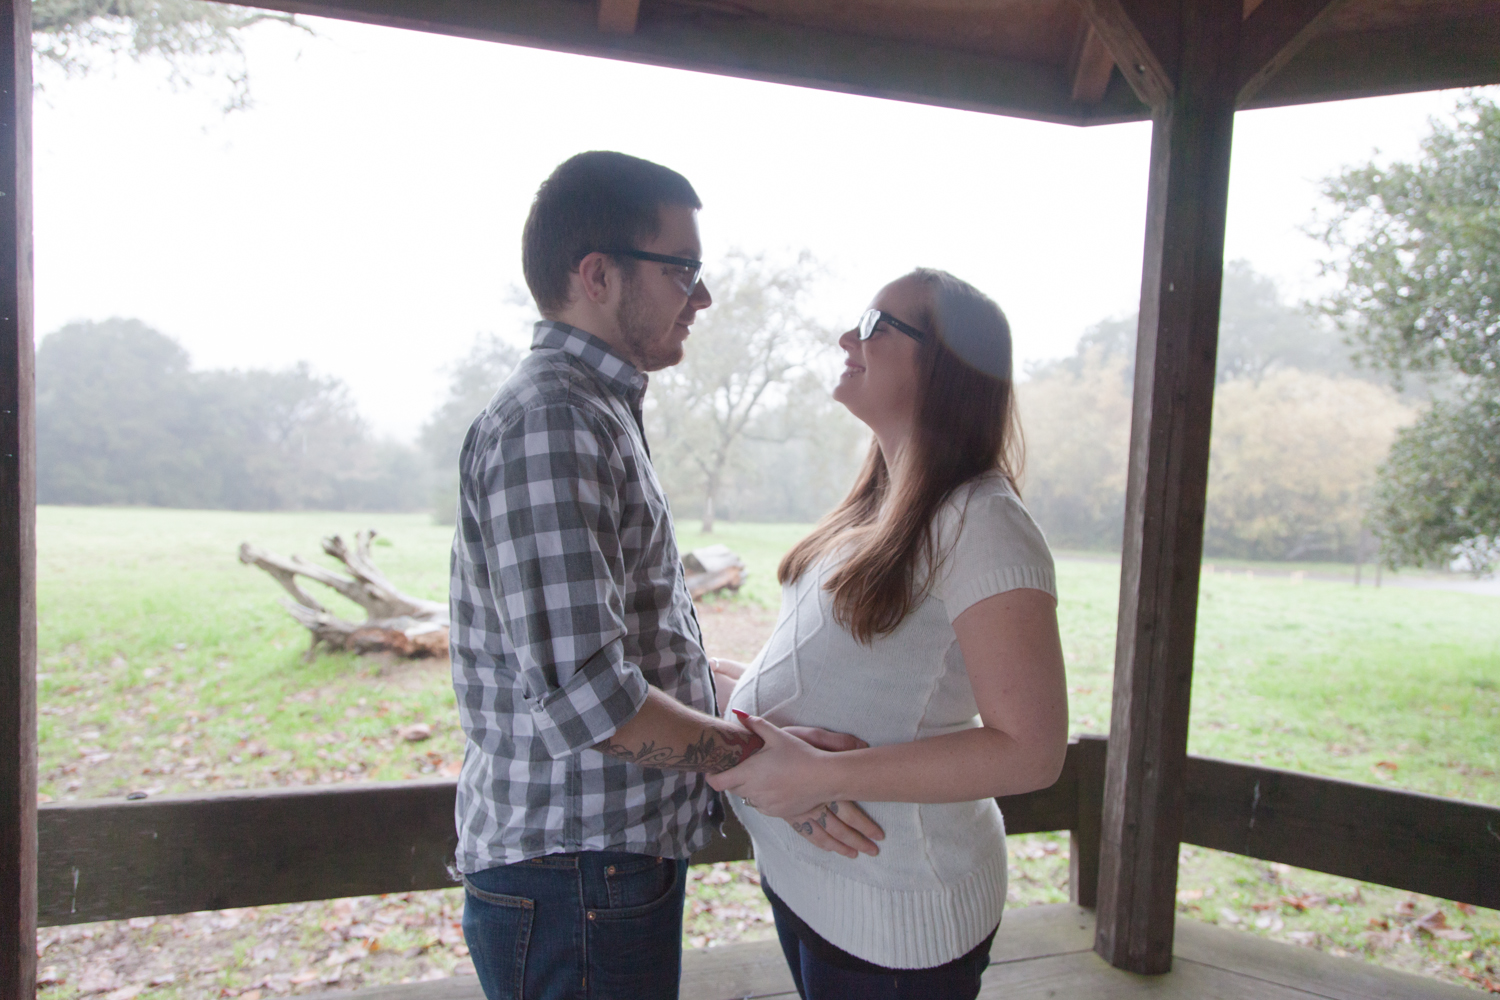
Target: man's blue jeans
(597,925)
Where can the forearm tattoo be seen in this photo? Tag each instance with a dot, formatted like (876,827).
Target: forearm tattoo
(712,753)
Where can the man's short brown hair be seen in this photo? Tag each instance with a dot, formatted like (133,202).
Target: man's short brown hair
(593,201)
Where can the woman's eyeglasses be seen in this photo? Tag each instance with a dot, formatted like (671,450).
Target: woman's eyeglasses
(874,317)
(685,270)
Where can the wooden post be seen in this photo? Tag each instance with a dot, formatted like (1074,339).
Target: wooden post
(1083,846)
(17,516)
(1168,479)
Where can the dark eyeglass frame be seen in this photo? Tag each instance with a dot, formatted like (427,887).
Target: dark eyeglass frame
(874,317)
(694,267)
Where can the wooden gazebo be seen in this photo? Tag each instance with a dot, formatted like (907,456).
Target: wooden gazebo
(1187,65)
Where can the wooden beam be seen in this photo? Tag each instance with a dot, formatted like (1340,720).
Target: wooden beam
(1440,847)
(1083,838)
(716,40)
(1273,34)
(111,859)
(17,516)
(1141,40)
(1090,67)
(1433,55)
(618,17)
(1168,478)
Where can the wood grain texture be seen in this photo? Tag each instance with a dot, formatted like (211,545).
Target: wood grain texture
(1083,852)
(1459,51)
(18,844)
(1440,847)
(1141,35)
(1166,487)
(1318,973)
(111,859)
(1274,33)
(1090,67)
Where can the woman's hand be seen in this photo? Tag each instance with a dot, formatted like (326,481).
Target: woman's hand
(787,778)
(840,827)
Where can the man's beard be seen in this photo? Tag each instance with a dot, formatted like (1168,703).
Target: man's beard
(651,348)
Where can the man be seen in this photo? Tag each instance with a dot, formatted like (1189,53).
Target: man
(582,684)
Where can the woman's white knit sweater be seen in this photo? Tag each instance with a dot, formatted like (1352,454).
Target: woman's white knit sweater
(937,888)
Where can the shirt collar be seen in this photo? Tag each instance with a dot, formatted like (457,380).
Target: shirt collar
(617,373)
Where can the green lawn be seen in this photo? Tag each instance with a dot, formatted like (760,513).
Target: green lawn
(166,665)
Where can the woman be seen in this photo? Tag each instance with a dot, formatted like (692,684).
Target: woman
(919,616)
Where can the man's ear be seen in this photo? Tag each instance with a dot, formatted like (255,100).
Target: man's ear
(598,278)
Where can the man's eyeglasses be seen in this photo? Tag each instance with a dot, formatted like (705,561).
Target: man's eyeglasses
(874,317)
(685,270)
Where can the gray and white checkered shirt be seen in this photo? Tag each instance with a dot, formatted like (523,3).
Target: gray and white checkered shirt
(568,599)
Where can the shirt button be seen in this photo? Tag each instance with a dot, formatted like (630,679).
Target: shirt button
(591,914)
(610,870)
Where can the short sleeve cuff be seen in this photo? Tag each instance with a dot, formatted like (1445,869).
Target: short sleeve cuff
(999,581)
(601,697)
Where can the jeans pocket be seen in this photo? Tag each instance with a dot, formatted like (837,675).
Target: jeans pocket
(638,882)
(635,952)
(497,929)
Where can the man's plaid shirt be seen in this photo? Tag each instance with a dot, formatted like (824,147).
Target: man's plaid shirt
(568,599)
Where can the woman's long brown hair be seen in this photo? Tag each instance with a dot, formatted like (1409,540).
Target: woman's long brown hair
(966,426)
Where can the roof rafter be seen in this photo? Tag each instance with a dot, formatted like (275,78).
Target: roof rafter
(1274,33)
(1142,41)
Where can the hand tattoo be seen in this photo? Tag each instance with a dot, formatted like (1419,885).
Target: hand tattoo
(708,754)
(805,827)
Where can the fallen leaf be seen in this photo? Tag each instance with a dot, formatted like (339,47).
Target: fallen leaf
(305,976)
(1467,909)
(1451,934)
(1430,922)
(415,733)
(125,993)
(1385,767)
(49,977)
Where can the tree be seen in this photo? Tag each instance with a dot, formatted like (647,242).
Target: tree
(193,37)
(1418,248)
(742,358)
(122,419)
(472,382)
(1293,464)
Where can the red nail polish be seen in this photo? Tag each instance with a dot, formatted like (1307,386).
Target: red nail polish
(742,715)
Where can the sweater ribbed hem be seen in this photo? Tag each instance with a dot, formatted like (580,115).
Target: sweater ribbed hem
(894,928)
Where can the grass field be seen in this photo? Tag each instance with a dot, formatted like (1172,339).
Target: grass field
(166,665)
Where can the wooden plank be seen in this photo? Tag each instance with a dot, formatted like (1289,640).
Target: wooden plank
(17,515)
(718,39)
(618,17)
(1086,975)
(111,859)
(1165,491)
(1434,55)
(1028,932)
(176,854)
(1305,968)
(1141,41)
(1274,33)
(1440,847)
(757,969)
(1090,67)
(1083,842)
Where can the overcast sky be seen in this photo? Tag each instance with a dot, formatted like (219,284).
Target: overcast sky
(365,214)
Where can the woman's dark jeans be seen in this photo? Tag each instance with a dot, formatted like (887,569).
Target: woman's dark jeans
(822,971)
(601,925)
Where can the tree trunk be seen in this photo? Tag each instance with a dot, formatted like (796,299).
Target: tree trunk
(708,515)
(395,622)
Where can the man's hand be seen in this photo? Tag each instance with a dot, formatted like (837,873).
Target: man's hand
(840,827)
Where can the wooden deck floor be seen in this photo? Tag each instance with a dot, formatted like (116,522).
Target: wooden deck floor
(1047,952)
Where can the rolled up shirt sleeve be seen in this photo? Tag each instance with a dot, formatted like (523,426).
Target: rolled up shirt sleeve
(551,499)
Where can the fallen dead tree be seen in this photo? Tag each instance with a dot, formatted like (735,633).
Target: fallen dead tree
(395,623)
(712,569)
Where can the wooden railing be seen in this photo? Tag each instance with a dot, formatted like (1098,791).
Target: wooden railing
(111,859)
